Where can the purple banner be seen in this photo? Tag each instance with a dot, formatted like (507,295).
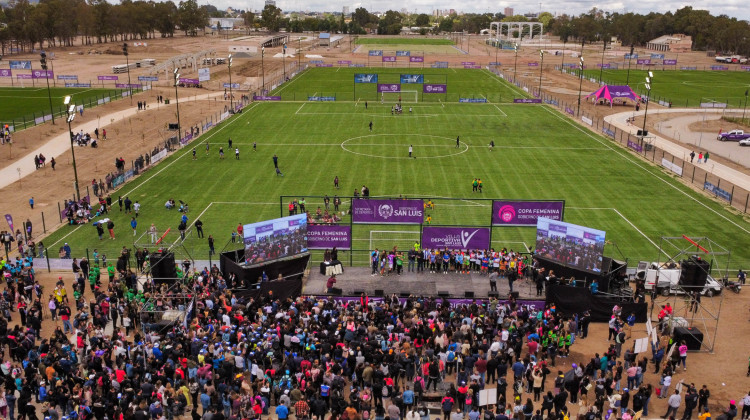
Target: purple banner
(533,64)
(569,110)
(324,65)
(604,66)
(453,302)
(107,77)
(434,88)
(416,59)
(6,73)
(189,81)
(635,146)
(472,66)
(669,62)
(527,101)
(42,74)
(745,67)
(387,211)
(9,219)
(327,236)
(719,68)
(455,238)
(389,58)
(23,76)
(643,61)
(125,85)
(468,63)
(266,98)
(525,213)
(345,62)
(389,87)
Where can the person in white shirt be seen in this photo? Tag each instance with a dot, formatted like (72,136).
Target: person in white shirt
(673,404)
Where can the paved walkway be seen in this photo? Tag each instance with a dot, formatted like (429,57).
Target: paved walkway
(734,176)
(60,144)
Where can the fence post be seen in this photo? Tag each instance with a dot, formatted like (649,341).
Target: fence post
(692,178)
(705,179)
(59,211)
(747,198)
(46,254)
(44,226)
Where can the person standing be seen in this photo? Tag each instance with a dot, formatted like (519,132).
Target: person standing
(703,395)
(458,142)
(673,404)
(133,224)
(691,401)
(193,153)
(230,143)
(275,162)
(199,227)
(53,162)
(705,157)
(692,156)
(211,250)
(741,277)
(240,230)
(700,157)
(410,150)
(493,281)
(31,203)
(370,125)
(152,233)
(111,228)
(683,349)
(136,208)
(237,153)
(336,182)
(221,152)
(374,256)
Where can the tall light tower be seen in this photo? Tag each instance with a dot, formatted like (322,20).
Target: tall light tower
(229,64)
(177,101)
(541,69)
(43,61)
(283,59)
(630,57)
(127,63)
(262,69)
(71,110)
(649,80)
(580,87)
(515,63)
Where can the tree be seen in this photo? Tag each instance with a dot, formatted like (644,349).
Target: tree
(422,20)
(361,16)
(390,23)
(190,17)
(270,17)
(249,18)
(446,24)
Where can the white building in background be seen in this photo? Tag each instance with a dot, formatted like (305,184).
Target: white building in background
(345,11)
(271,3)
(508,11)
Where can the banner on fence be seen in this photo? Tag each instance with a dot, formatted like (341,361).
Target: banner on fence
(204,74)
(42,74)
(468,63)
(375,53)
(67,77)
(158,156)
(321,98)
(473,100)
(745,67)
(533,64)
(719,68)
(316,61)
(188,81)
(327,237)
(688,68)
(608,132)
(629,56)
(232,85)
(148,78)
(669,62)
(657,56)
(343,62)
(19,65)
(472,66)
(356,65)
(412,78)
(413,59)
(324,65)
(440,65)
(365,78)
(713,105)
(643,61)
(570,110)
(494,63)
(604,66)
(389,87)
(126,86)
(23,76)
(434,88)
(725,195)
(78,85)
(403,53)
(6,73)
(527,101)
(552,102)
(393,211)
(455,238)
(107,77)
(266,98)
(525,213)
(587,120)
(635,146)
(389,58)
(671,166)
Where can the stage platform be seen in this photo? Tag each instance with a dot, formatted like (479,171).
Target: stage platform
(357,279)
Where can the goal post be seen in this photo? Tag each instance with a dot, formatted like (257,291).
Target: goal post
(387,239)
(407,96)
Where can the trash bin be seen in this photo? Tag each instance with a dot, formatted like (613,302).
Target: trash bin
(166,101)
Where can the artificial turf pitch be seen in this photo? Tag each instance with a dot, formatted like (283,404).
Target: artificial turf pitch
(538,154)
(18,104)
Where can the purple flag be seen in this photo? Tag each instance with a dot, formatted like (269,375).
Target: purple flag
(327,236)
(525,213)
(455,238)
(9,219)
(6,73)
(389,87)
(387,211)
(434,88)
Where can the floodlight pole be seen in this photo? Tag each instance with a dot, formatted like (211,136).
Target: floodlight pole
(43,61)
(262,70)
(745,107)
(177,102)
(601,69)
(630,58)
(515,65)
(71,116)
(229,64)
(541,69)
(299,46)
(283,59)
(580,87)
(127,64)
(562,64)
(649,80)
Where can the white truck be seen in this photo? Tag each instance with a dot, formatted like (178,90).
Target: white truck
(669,279)
(730,59)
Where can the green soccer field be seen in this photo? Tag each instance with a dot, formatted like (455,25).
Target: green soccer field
(684,88)
(403,41)
(20,106)
(539,154)
(339,82)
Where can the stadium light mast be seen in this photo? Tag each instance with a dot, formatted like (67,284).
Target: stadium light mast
(299,48)
(127,64)
(745,107)
(71,110)
(177,101)
(580,87)
(562,64)
(601,67)
(43,61)
(229,64)
(649,80)
(262,70)
(515,63)
(630,57)
(541,69)
(283,59)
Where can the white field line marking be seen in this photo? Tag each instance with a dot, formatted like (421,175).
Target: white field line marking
(425,145)
(501,111)
(300,108)
(69,233)
(193,222)
(645,169)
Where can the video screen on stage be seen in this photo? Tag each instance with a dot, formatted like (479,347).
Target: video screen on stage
(273,239)
(575,246)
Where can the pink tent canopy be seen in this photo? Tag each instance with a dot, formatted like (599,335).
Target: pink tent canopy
(610,92)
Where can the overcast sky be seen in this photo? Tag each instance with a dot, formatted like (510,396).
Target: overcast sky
(734,8)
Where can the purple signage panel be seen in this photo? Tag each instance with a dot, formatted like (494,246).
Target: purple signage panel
(189,81)
(389,58)
(389,87)
(345,62)
(455,238)
(324,65)
(472,66)
(468,63)
(604,66)
(387,211)
(533,64)
(266,98)
(643,61)
(42,74)
(527,101)
(327,236)
(107,77)
(669,62)
(745,67)
(569,110)
(434,88)
(125,85)
(635,146)
(9,219)
(23,76)
(453,302)
(722,68)
(6,73)
(416,59)
(525,213)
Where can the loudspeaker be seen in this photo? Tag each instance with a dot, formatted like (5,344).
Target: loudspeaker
(692,336)
(468,294)
(642,133)
(443,294)
(379,292)
(694,272)
(162,266)
(492,294)
(514,295)
(335,291)
(173,126)
(358,292)
(404,294)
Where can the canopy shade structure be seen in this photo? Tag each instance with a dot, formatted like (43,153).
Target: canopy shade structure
(611,92)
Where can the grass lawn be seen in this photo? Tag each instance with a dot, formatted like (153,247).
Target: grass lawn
(404,41)
(539,154)
(462,83)
(24,104)
(684,88)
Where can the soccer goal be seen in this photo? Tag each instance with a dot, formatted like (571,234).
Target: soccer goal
(406,96)
(387,239)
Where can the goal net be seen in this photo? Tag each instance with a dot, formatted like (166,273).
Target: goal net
(387,239)
(406,96)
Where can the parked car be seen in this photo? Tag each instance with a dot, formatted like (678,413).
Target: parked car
(745,142)
(734,135)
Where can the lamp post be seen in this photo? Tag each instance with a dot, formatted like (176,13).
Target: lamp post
(283,59)
(580,86)
(229,64)
(745,107)
(630,57)
(127,64)
(497,46)
(262,70)
(601,68)
(562,64)
(649,79)
(43,61)
(71,110)
(299,48)
(177,101)
(515,63)
(541,69)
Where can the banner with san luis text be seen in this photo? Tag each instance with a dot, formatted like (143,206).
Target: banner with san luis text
(391,211)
